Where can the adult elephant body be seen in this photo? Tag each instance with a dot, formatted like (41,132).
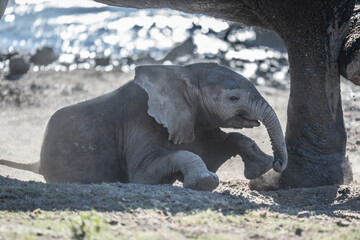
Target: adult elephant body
(163,126)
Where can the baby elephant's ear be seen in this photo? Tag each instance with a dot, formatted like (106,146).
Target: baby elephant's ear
(172,100)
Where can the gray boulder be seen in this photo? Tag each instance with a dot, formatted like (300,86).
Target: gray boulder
(18,65)
(43,56)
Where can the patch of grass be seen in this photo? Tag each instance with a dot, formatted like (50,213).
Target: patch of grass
(58,224)
(154,224)
(87,226)
(257,225)
(350,235)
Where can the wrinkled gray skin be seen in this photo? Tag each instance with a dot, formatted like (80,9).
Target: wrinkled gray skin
(321,44)
(163,126)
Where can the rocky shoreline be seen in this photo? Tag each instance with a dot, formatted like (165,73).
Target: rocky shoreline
(263,60)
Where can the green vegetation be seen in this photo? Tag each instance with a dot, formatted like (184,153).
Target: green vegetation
(153,224)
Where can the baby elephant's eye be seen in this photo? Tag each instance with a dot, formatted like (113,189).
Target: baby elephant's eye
(234,99)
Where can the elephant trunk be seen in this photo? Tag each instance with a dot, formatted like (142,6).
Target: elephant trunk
(266,114)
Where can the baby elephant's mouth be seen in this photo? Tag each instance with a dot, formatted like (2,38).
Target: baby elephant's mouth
(240,121)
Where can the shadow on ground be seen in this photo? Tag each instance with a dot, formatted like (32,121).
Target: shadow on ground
(18,195)
(231,197)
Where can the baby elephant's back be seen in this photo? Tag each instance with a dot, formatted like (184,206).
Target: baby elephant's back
(80,144)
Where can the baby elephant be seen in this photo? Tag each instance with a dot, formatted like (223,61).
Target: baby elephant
(162,126)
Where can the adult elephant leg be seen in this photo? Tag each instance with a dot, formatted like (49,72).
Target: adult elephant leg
(313,32)
(315,133)
(163,168)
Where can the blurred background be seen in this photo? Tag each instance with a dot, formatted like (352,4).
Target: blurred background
(68,35)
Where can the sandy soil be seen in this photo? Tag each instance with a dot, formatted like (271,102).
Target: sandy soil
(27,104)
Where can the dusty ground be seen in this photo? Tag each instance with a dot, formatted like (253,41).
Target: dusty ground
(31,210)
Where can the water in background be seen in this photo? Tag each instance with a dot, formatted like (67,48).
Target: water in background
(83,30)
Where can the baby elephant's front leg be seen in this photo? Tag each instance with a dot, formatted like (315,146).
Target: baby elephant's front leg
(192,167)
(256,162)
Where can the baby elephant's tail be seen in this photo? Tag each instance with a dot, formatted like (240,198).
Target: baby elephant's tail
(33,167)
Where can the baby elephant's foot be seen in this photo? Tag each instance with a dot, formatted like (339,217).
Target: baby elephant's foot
(255,169)
(256,161)
(203,181)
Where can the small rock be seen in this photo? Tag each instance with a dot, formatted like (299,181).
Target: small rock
(263,213)
(303,214)
(226,192)
(43,56)
(256,236)
(357,119)
(350,215)
(37,211)
(344,190)
(79,87)
(298,231)
(102,61)
(343,223)
(18,65)
(113,222)
(357,142)
(253,193)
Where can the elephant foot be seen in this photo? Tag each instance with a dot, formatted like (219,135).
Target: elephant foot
(254,168)
(314,172)
(203,181)
(304,175)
